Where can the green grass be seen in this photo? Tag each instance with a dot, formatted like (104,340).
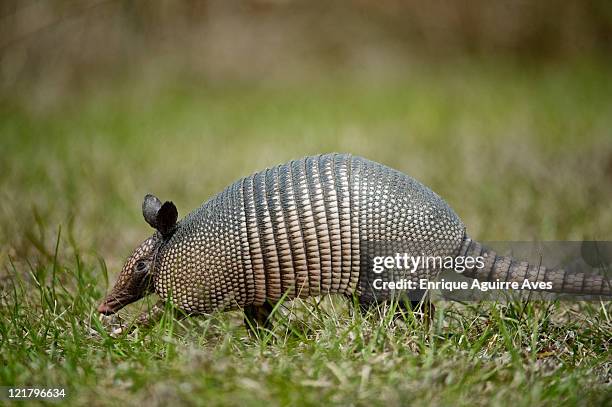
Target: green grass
(519,154)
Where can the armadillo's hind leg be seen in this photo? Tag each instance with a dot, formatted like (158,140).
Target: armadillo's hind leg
(257,318)
(368,306)
(422,309)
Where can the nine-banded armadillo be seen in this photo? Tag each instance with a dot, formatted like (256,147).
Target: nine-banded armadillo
(299,230)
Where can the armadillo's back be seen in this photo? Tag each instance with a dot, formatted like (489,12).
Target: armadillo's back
(299,228)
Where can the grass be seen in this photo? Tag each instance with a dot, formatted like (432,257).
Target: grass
(519,153)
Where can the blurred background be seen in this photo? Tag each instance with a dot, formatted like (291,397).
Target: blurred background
(503,108)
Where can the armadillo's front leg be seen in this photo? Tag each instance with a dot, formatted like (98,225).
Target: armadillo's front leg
(257,318)
(151,316)
(147,318)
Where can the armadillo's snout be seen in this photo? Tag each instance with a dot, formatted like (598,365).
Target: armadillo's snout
(110,305)
(115,301)
(105,309)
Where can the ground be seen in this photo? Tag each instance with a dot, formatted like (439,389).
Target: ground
(520,154)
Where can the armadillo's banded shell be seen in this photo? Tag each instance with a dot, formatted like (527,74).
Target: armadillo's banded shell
(298,218)
(298,229)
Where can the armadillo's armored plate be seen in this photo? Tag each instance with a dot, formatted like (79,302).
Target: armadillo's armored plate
(307,227)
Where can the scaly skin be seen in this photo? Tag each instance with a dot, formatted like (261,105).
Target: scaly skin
(303,229)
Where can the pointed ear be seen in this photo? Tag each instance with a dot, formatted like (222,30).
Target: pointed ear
(166,218)
(150,206)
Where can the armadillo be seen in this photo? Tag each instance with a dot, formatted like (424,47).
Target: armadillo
(299,230)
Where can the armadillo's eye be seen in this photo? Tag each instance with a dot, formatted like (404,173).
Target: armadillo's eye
(141,266)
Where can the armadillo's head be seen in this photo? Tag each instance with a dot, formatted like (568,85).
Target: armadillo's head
(136,278)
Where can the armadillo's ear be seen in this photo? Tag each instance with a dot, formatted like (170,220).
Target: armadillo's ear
(166,218)
(150,206)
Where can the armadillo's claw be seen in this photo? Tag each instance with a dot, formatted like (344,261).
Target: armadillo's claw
(115,333)
(113,324)
(117,327)
(110,320)
(151,316)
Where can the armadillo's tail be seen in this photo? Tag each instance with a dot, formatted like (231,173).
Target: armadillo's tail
(508,269)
